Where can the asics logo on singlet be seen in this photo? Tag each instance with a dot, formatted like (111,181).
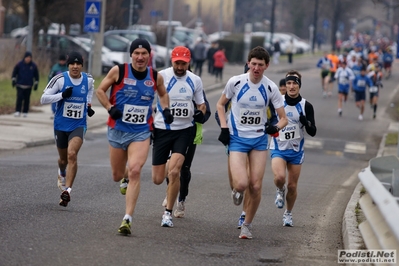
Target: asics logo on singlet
(182,90)
(290,114)
(74,106)
(288,128)
(179,105)
(252,98)
(135,110)
(251,113)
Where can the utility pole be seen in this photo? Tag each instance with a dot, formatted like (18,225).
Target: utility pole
(169,33)
(96,70)
(220,19)
(337,9)
(131,13)
(272,23)
(316,7)
(30,32)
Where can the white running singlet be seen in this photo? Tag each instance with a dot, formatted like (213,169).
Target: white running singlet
(182,92)
(249,101)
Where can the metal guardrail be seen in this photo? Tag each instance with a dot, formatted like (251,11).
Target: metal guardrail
(380,204)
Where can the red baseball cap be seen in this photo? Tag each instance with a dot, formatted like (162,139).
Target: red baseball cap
(181,53)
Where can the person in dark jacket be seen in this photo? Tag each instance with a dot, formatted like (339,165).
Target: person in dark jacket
(25,76)
(209,55)
(56,69)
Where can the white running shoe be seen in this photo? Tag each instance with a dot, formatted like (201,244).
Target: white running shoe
(237,197)
(167,220)
(61,181)
(180,208)
(245,232)
(165,202)
(17,114)
(280,196)
(360,117)
(287,219)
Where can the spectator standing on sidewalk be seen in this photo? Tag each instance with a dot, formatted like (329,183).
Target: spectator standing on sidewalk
(25,76)
(276,52)
(290,50)
(219,58)
(200,56)
(209,56)
(73,91)
(56,69)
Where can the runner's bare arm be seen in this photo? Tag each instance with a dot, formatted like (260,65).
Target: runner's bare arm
(163,95)
(106,83)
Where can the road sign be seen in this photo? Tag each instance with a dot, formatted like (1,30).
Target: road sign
(92,16)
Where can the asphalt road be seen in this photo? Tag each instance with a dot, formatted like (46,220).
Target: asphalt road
(35,230)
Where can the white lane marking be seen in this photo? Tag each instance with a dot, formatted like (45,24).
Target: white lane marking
(315,144)
(355,147)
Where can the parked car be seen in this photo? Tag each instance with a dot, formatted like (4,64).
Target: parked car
(134,34)
(52,45)
(213,37)
(19,32)
(131,35)
(284,39)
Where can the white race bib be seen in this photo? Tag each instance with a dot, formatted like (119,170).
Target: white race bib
(73,110)
(289,132)
(251,116)
(135,114)
(373,89)
(181,108)
(343,80)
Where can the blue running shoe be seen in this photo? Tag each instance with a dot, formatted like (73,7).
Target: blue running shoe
(241,221)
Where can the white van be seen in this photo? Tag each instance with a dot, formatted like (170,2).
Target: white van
(165,23)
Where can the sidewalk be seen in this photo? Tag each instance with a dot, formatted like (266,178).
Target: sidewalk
(37,128)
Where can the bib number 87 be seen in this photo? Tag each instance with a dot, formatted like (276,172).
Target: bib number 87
(289,135)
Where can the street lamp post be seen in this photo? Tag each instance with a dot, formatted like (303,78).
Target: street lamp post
(169,33)
(221,19)
(131,12)
(30,32)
